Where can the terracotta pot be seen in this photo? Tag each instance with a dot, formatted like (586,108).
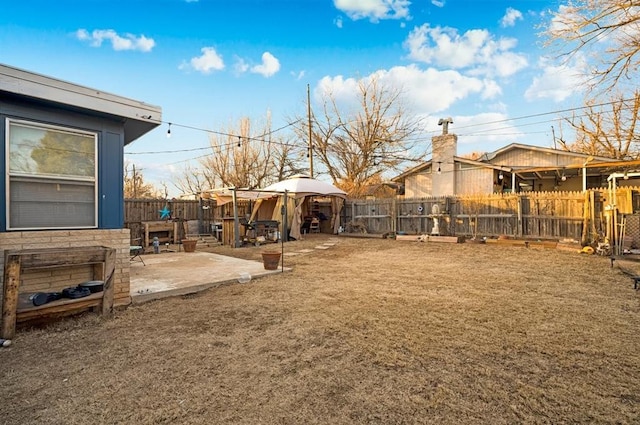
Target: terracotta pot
(271,260)
(189,245)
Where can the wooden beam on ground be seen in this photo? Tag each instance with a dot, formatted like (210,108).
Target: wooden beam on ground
(569,246)
(430,238)
(446,239)
(524,243)
(362,235)
(412,238)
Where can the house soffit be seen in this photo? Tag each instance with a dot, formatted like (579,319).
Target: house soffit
(138,117)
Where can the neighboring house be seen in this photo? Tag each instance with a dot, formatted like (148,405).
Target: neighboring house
(62,164)
(519,166)
(381,190)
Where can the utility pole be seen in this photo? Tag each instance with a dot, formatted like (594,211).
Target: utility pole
(135,183)
(310,133)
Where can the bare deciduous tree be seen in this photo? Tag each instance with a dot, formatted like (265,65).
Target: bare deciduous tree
(135,186)
(607,130)
(355,148)
(606,31)
(193,180)
(242,158)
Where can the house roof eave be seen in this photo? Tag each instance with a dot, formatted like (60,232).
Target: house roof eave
(139,117)
(411,171)
(491,155)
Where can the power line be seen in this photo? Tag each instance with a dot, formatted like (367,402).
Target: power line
(260,138)
(172,151)
(297,145)
(559,111)
(220,133)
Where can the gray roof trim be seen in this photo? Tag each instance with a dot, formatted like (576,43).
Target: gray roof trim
(491,155)
(480,164)
(412,170)
(425,165)
(29,84)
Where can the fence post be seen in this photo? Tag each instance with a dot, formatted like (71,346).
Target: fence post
(353,211)
(519,231)
(394,214)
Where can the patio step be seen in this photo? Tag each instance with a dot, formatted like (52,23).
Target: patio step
(204,240)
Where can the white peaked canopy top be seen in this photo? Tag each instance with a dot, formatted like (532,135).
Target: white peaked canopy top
(302,185)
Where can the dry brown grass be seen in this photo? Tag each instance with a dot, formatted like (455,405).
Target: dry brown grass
(368,331)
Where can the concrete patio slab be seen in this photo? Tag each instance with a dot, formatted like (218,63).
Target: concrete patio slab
(180,273)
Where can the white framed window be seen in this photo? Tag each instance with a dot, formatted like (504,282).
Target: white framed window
(51,178)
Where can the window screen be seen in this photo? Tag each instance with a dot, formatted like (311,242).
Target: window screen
(52,177)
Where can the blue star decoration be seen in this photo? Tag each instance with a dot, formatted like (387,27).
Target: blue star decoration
(164,213)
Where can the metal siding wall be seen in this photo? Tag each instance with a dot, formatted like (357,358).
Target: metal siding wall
(418,185)
(519,157)
(110,181)
(474,181)
(526,158)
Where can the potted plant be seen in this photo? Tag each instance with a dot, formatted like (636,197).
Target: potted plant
(189,245)
(271,260)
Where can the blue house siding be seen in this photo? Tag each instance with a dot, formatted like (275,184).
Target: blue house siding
(110,181)
(110,152)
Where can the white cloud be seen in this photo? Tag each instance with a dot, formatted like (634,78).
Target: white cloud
(338,21)
(491,89)
(240,66)
(563,19)
(503,65)
(118,42)
(557,82)
(298,75)
(208,62)
(510,17)
(427,91)
(498,106)
(374,10)
(437,3)
(269,66)
(476,50)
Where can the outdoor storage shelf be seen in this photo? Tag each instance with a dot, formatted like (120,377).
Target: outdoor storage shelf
(15,261)
(165,231)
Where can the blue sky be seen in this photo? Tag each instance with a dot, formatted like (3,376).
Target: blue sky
(208,63)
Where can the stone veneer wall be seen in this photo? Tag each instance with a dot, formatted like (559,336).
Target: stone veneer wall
(56,279)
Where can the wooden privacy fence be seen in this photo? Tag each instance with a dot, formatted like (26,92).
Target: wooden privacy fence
(201,213)
(543,215)
(584,216)
(194,216)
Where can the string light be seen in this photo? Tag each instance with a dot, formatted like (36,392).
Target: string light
(439,170)
(239,141)
(169,131)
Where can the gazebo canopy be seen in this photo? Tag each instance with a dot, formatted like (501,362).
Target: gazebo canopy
(298,186)
(302,185)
